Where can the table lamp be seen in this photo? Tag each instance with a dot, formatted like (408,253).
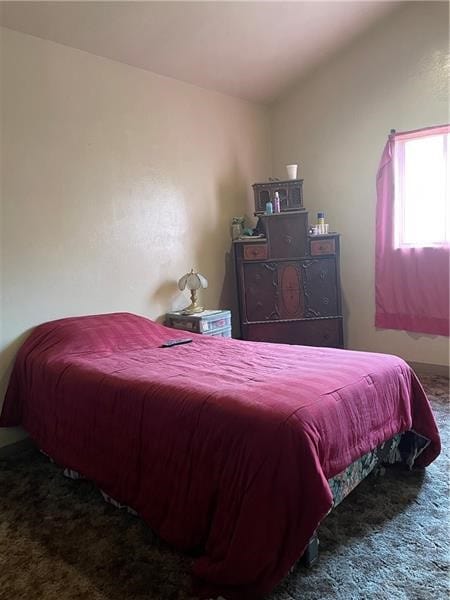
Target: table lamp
(193,281)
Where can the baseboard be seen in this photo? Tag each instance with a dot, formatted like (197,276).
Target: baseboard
(430,369)
(16,448)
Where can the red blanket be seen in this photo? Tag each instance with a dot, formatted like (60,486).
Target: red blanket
(219,444)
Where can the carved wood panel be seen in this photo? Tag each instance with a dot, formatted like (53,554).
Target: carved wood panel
(320,287)
(261,291)
(290,293)
(287,235)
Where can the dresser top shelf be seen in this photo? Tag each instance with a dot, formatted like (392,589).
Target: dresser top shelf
(283,213)
(251,239)
(275,183)
(263,240)
(314,236)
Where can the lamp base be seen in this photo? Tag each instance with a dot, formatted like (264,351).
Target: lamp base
(193,306)
(192,309)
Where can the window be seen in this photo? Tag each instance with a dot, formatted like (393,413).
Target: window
(422,187)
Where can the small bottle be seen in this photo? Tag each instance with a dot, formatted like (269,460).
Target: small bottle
(269,208)
(276,203)
(236,231)
(320,222)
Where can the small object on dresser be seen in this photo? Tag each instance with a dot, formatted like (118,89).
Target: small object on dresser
(321,227)
(248,232)
(237,227)
(292,171)
(276,203)
(269,208)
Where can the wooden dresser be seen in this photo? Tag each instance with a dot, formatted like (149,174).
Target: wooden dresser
(289,284)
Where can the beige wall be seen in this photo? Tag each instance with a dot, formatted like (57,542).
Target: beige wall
(115,182)
(335,124)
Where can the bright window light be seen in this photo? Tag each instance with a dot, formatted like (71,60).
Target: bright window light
(422,202)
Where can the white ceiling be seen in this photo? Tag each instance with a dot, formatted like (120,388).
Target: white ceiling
(253,50)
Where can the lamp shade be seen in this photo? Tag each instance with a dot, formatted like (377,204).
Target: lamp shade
(192,281)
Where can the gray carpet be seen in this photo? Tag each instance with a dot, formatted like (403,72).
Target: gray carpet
(60,541)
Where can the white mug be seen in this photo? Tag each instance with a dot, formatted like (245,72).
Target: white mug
(292,171)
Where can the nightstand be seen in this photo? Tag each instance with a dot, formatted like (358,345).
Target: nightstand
(208,322)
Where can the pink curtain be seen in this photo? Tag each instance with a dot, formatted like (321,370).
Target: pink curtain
(411,283)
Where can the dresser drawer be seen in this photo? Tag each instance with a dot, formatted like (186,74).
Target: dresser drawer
(206,322)
(225,332)
(255,251)
(322,246)
(311,332)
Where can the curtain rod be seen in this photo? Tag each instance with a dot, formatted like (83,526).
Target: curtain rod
(446,127)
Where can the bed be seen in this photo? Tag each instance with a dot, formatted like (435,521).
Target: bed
(222,446)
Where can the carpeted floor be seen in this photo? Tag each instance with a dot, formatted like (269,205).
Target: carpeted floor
(60,541)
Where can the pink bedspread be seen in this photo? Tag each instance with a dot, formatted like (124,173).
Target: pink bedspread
(219,444)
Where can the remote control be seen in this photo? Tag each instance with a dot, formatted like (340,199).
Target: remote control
(170,343)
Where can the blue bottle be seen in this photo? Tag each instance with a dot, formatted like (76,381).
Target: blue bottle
(269,208)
